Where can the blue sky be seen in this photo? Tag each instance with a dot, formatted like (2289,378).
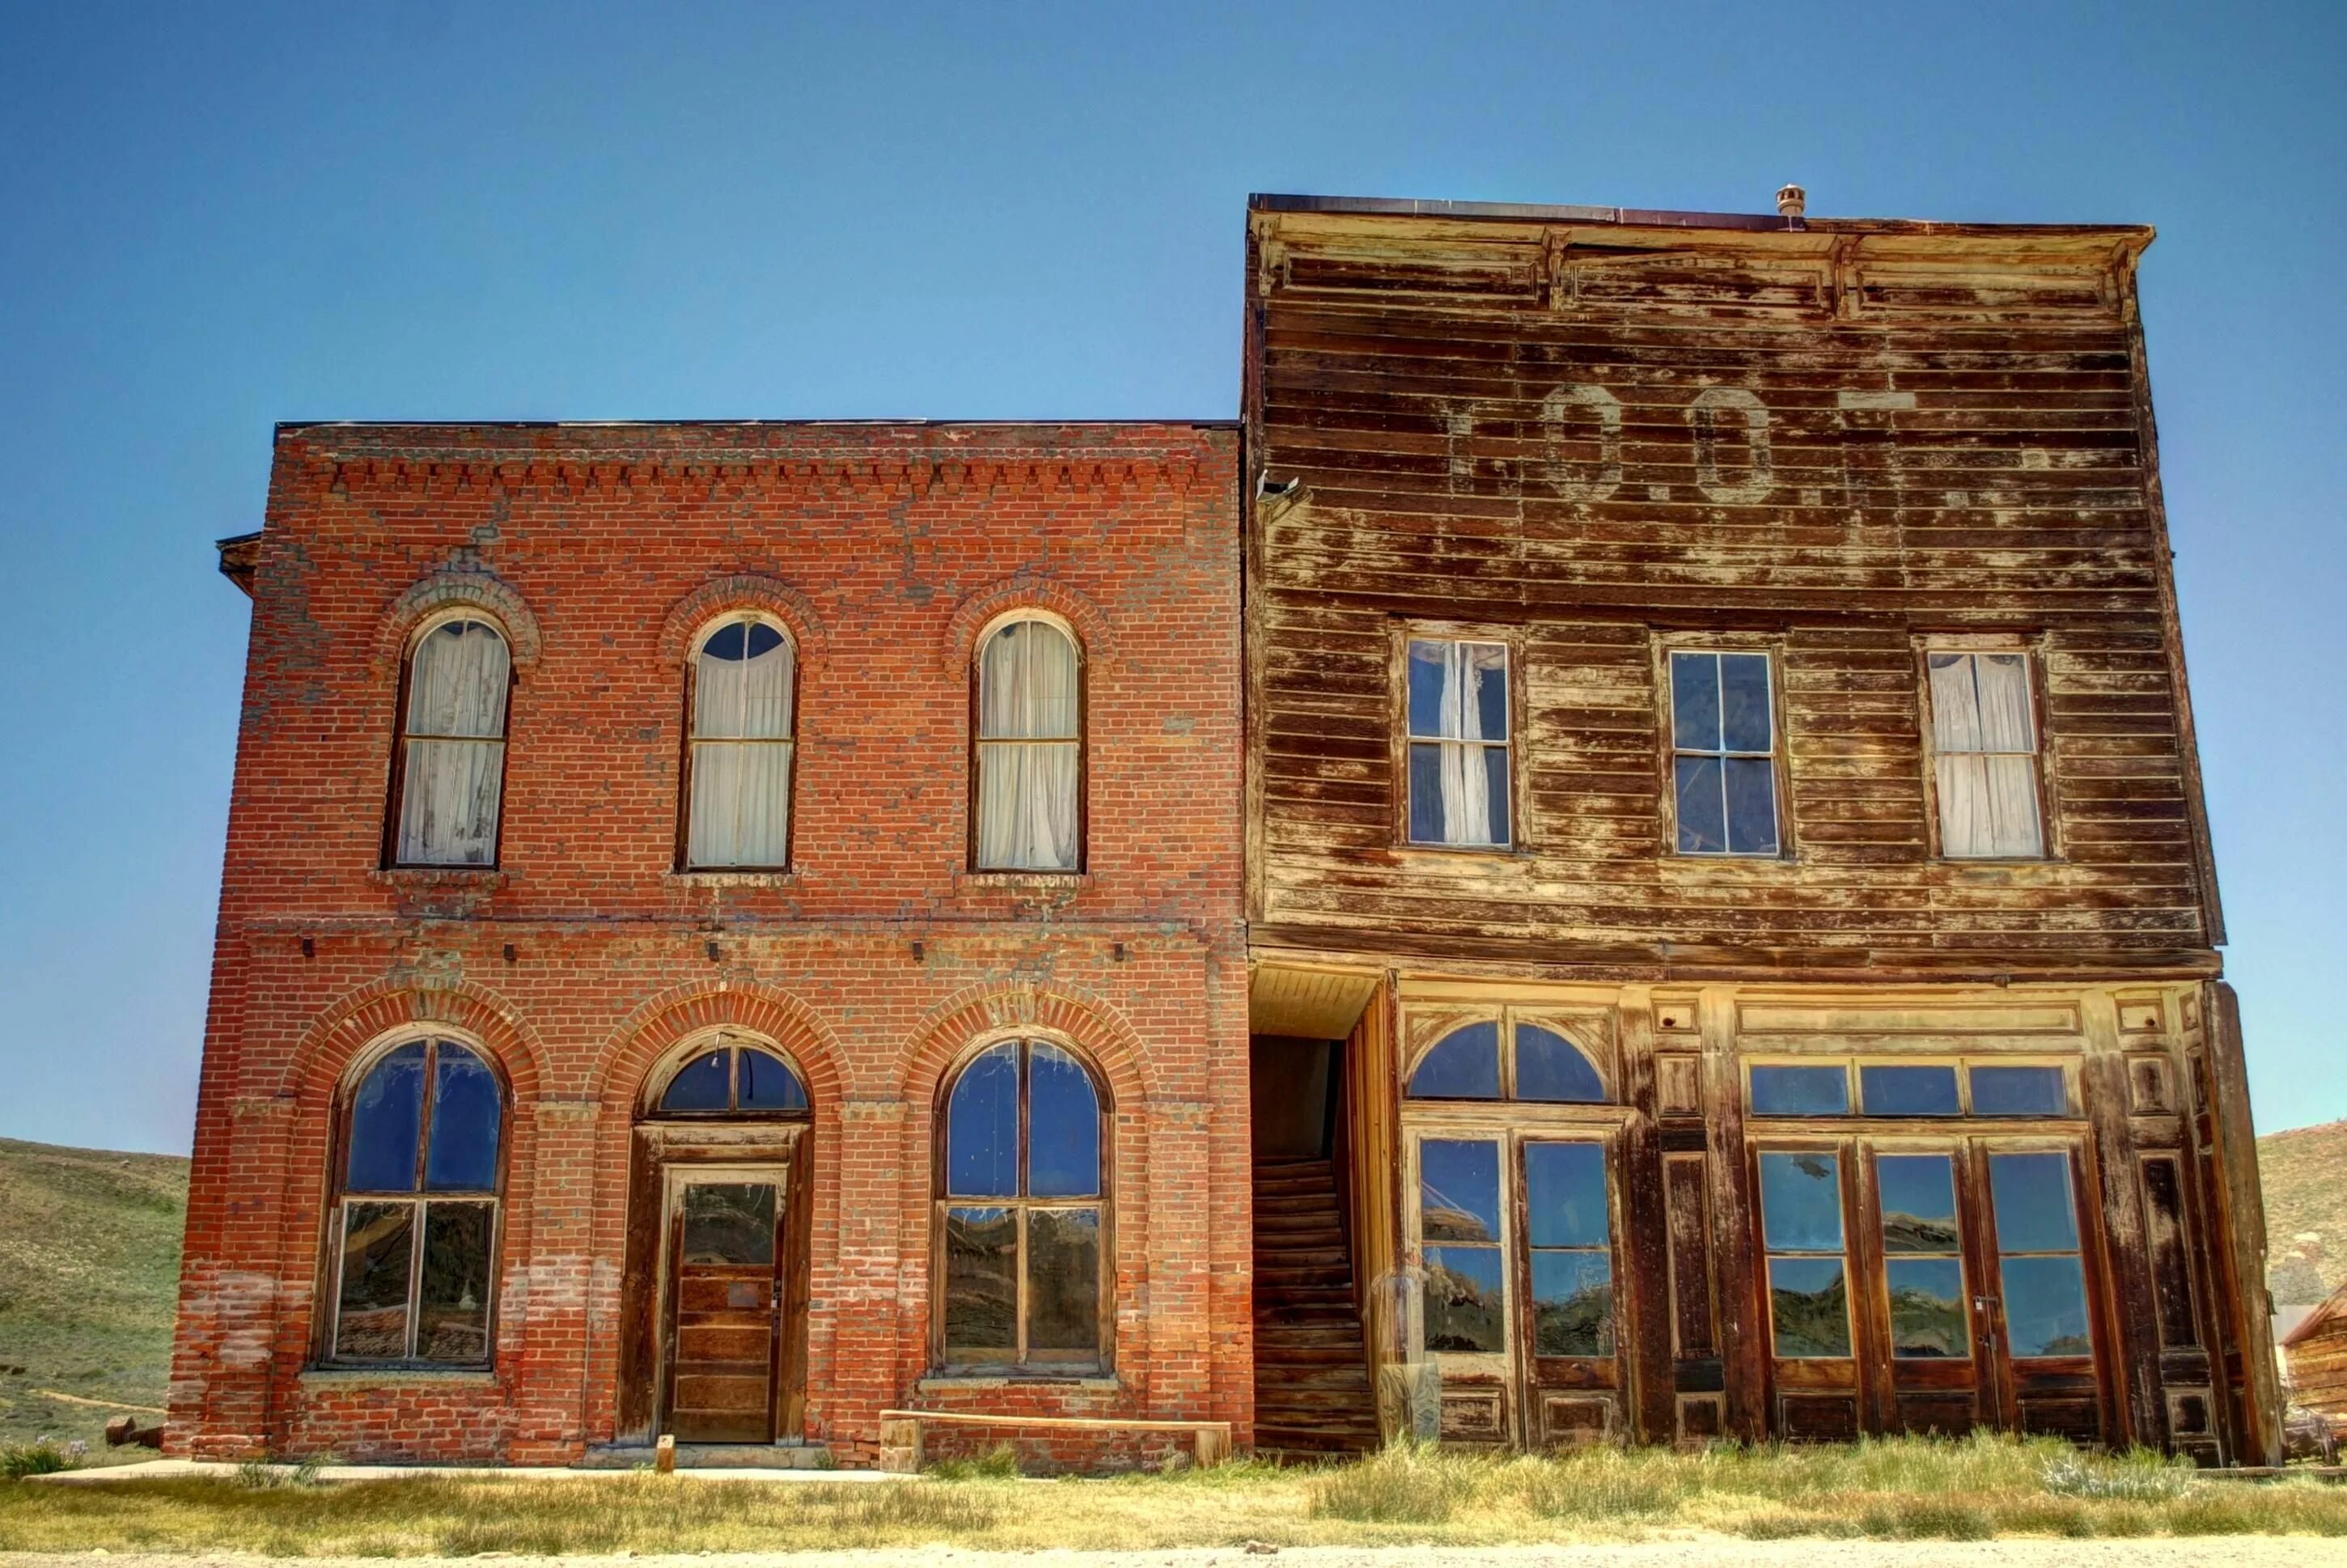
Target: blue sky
(213,218)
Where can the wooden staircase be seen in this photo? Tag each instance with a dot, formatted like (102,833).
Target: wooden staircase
(1312,1391)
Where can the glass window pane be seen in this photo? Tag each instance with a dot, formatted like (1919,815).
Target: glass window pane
(1487,665)
(1550,1067)
(2019,1091)
(1496,794)
(1428,666)
(981,1279)
(1463,1065)
(769,1084)
(370,1315)
(1919,1202)
(1751,805)
(1746,722)
(1887,1090)
(386,1118)
(726,642)
(1809,1306)
(1565,1196)
(2045,1306)
(2032,1194)
(1459,1190)
(982,1126)
(1063,1279)
(1465,1308)
(1028,685)
(1800,1092)
(1695,702)
(1062,1126)
(1801,1202)
(467,1113)
(699,1084)
(457,682)
(1702,807)
(1573,1304)
(452,1317)
(729,1223)
(1426,824)
(1927,1309)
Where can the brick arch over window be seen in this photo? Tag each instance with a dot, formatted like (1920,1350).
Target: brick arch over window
(999,1007)
(1095,641)
(350,1025)
(742,591)
(665,1022)
(457,588)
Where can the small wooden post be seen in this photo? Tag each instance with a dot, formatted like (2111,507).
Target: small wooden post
(1213,1446)
(664,1454)
(900,1443)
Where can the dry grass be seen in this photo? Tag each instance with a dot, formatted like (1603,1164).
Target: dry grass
(1897,1490)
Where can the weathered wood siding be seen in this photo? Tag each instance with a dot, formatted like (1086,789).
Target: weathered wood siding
(1587,437)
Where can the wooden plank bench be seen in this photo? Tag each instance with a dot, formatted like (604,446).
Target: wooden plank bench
(901,1432)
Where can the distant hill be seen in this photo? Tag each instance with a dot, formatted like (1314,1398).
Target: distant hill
(89,1278)
(2305,1175)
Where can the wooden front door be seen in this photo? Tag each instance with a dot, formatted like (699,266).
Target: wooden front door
(2041,1366)
(724,1307)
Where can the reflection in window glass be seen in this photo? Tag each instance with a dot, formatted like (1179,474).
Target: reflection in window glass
(2037,1254)
(370,1315)
(1465,1306)
(1550,1067)
(729,1223)
(981,1280)
(1800,1092)
(1927,1307)
(1801,1224)
(2019,1091)
(386,1118)
(1459,1230)
(1463,1065)
(1923,1263)
(453,1296)
(1063,1279)
(982,1126)
(1459,1190)
(1569,1234)
(2045,1306)
(1925,1091)
(1808,1307)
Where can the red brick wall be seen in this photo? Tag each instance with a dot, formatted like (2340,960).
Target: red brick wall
(585,956)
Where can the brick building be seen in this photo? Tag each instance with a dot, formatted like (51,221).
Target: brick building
(646,840)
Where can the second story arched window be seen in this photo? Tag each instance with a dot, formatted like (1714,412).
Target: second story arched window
(1028,778)
(743,746)
(419,1170)
(449,782)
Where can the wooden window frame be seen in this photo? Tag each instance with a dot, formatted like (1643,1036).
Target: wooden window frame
(1850,1064)
(1770,647)
(977,743)
(1511,640)
(396,791)
(690,744)
(696,1046)
(1017,1366)
(1428,1030)
(2033,650)
(1844,1150)
(340,1196)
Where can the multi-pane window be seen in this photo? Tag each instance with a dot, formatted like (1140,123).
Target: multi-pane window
(1569,1234)
(2037,1254)
(1458,723)
(1030,764)
(1538,1063)
(451,769)
(1910,1089)
(1923,1256)
(1458,1238)
(1801,1225)
(416,1217)
(1984,751)
(1018,1211)
(744,676)
(1723,753)
(734,1079)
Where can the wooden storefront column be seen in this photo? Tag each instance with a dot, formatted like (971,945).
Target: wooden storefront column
(1742,1306)
(2242,1201)
(1651,1402)
(2131,1384)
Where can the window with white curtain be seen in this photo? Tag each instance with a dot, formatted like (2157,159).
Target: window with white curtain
(1984,745)
(741,747)
(451,764)
(1029,772)
(1458,723)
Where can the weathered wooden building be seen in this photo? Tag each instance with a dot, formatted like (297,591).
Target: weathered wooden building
(2315,1356)
(1725,842)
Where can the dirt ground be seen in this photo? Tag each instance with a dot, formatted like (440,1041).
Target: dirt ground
(1705,1552)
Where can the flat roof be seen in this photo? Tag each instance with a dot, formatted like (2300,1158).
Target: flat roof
(1655,218)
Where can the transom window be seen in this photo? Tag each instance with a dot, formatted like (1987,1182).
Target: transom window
(1019,1207)
(1724,754)
(449,776)
(743,746)
(1539,1063)
(416,1212)
(1458,739)
(1984,755)
(1935,1088)
(1029,782)
(734,1078)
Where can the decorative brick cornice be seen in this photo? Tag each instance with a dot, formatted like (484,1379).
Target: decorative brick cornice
(1028,590)
(742,590)
(465,581)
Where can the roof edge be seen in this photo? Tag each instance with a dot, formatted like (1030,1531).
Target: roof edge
(1663,218)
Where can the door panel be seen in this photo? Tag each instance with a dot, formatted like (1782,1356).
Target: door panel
(726,1308)
(1571,1326)
(2043,1333)
(1805,1231)
(1463,1244)
(1923,1303)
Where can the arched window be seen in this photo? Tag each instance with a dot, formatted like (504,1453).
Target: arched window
(1540,1063)
(733,1078)
(744,701)
(416,1214)
(1019,1201)
(449,778)
(1029,782)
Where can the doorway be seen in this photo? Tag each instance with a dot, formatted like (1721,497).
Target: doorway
(727,1283)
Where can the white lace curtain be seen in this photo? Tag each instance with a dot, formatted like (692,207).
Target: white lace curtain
(455,772)
(1029,748)
(1986,742)
(1470,766)
(741,747)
